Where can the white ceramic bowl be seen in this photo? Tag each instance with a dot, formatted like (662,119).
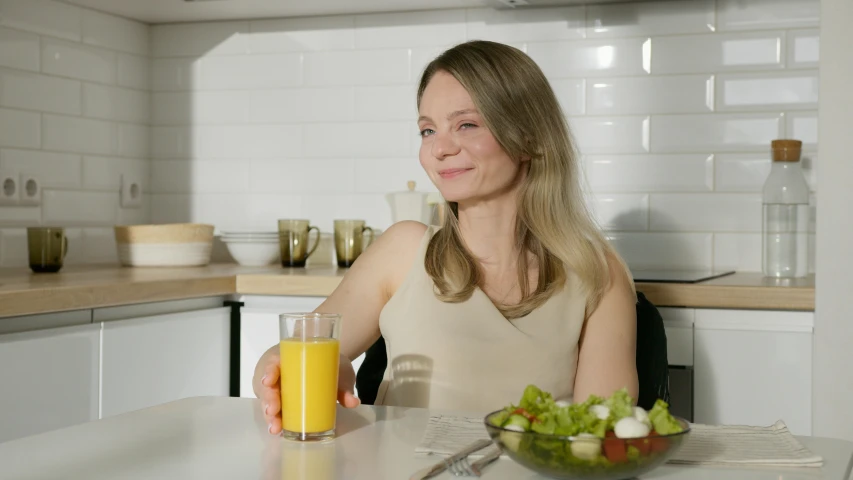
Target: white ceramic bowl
(253,253)
(166,245)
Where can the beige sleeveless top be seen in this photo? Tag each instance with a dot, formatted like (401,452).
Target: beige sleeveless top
(468,356)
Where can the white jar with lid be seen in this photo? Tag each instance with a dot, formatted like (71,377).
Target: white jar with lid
(785,214)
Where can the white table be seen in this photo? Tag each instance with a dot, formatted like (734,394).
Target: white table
(213,438)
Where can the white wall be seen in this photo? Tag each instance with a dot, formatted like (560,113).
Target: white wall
(674,104)
(833,380)
(74,113)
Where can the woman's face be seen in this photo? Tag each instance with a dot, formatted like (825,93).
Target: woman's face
(458,152)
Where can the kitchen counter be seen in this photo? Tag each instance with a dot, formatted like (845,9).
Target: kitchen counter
(85,287)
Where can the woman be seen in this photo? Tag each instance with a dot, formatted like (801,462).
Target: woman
(518,287)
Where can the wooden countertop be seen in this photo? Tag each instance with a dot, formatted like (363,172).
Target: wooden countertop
(84,287)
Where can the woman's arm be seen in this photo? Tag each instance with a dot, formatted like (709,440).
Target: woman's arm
(608,343)
(359,298)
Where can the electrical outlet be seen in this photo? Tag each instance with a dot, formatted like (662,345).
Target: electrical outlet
(30,190)
(131,192)
(9,188)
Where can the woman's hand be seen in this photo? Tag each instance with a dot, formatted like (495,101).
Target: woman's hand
(268,388)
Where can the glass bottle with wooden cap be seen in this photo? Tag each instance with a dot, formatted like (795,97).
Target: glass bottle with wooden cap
(785,232)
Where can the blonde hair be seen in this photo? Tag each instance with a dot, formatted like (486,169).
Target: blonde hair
(520,109)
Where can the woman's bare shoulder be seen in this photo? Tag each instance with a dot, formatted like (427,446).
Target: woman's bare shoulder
(396,251)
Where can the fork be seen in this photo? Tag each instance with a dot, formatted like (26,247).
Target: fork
(461,467)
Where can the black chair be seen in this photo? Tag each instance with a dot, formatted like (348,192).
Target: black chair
(652,365)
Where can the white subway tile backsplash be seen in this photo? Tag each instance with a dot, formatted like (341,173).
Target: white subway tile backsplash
(173,208)
(737,251)
(539,24)
(398,102)
(200,108)
(265,209)
(315,116)
(618,56)
(803,48)
(611,134)
(207,176)
(763,91)
(200,39)
(323,209)
(19,129)
(715,132)
(302,34)
(115,33)
(68,59)
(436,27)
(132,140)
(361,67)
(232,142)
(302,176)
(54,170)
(78,135)
(717,52)
(759,14)
(638,95)
(650,18)
(293,105)
(571,93)
(719,212)
(135,216)
(99,245)
(19,50)
(358,140)
(55,19)
(249,72)
(677,251)
(385,175)
(171,142)
(20,216)
(13,247)
(134,71)
(802,126)
(33,91)
(621,212)
(75,208)
(104,173)
(169,74)
(747,172)
(650,173)
(115,103)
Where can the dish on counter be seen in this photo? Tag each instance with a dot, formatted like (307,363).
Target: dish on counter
(164,245)
(601,438)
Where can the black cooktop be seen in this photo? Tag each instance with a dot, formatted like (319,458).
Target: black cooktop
(677,276)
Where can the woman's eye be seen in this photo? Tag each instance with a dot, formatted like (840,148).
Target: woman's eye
(467,125)
(427,132)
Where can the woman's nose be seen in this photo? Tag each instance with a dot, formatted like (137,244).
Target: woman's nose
(443,146)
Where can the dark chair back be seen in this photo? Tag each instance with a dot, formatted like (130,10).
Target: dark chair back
(652,365)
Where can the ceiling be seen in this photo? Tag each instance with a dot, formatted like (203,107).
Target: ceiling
(168,11)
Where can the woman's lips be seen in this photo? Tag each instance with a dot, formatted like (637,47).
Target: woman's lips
(453,172)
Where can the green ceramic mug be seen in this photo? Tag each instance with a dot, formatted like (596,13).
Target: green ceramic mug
(47,248)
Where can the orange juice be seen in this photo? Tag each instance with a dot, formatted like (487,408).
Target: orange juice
(309,384)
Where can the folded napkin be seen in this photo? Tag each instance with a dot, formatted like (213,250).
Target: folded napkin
(743,445)
(706,445)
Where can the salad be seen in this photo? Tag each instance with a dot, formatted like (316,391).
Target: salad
(604,431)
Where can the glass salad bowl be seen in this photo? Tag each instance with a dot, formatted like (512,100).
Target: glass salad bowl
(586,457)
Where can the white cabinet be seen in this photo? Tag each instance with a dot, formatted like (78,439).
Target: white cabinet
(157,359)
(49,379)
(753,367)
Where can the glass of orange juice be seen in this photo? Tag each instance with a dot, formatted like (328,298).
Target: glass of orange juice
(310,352)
